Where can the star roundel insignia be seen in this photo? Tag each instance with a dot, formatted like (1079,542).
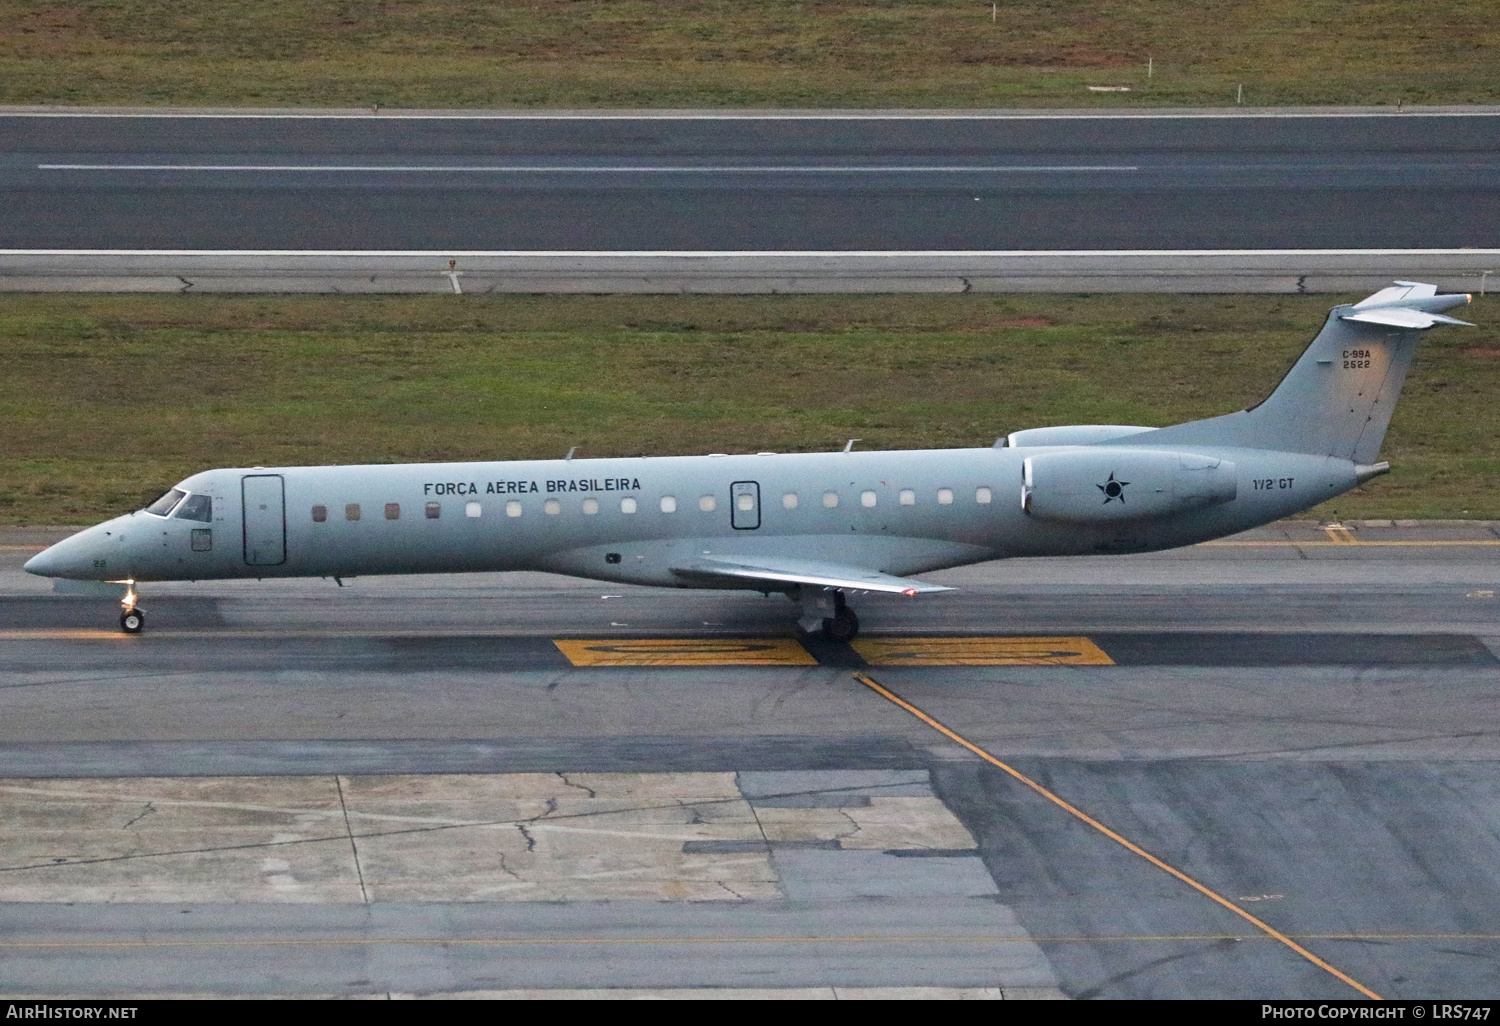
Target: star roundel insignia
(1113,489)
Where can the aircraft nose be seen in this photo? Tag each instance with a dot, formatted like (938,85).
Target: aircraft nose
(72,557)
(44,563)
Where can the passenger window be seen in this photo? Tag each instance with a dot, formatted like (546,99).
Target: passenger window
(830,499)
(351,511)
(907,497)
(627,505)
(983,496)
(513,508)
(590,507)
(203,539)
(552,507)
(162,506)
(393,511)
(706,503)
(867,500)
(434,510)
(473,510)
(945,496)
(789,500)
(196,507)
(669,504)
(320,514)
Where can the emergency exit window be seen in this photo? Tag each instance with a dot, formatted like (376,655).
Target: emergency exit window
(393,511)
(351,511)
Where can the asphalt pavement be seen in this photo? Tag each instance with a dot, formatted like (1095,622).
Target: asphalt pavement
(706,181)
(435,785)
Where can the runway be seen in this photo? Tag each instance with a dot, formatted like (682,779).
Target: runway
(709,182)
(430,786)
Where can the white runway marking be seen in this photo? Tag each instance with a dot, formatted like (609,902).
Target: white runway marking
(601,169)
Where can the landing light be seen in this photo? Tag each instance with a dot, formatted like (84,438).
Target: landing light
(909,592)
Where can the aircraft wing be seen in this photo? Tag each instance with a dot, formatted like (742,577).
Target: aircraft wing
(780,570)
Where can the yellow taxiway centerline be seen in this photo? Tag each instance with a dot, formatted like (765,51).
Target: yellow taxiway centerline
(1072,810)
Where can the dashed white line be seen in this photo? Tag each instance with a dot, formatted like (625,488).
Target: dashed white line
(602,169)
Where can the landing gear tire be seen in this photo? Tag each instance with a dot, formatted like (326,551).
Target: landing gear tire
(132,620)
(841,626)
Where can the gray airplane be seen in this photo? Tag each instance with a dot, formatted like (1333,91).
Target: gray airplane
(814,526)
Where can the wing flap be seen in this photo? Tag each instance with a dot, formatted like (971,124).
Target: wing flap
(806,571)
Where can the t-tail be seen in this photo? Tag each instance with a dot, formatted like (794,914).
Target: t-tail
(1338,397)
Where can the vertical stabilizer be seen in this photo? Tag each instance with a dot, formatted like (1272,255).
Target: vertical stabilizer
(1338,397)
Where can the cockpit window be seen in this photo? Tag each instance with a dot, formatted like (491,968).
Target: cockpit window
(162,506)
(196,507)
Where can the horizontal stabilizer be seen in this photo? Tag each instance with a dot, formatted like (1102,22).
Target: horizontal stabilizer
(1400,317)
(1402,291)
(1406,304)
(815,573)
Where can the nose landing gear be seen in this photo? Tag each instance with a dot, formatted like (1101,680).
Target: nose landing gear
(131,618)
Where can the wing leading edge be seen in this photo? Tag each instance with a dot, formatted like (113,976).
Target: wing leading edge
(815,573)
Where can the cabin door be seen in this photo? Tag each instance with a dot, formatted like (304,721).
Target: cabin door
(744,505)
(265,519)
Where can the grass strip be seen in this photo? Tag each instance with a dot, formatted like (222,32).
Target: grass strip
(772,53)
(108,399)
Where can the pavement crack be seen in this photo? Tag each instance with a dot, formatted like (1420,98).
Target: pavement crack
(186,285)
(353,846)
(148,810)
(738,896)
(853,823)
(530,840)
(968,285)
(505,868)
(1302,284)
(591,792)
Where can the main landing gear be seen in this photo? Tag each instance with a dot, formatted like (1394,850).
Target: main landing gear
(843,625)
(131,618)
(826,610)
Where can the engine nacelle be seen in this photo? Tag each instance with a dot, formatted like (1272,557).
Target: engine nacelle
(1108,484)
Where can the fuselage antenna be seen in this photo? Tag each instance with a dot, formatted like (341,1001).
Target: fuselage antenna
(849,445)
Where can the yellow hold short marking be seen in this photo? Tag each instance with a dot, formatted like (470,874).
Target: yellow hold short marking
(981,652)
(686,652)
